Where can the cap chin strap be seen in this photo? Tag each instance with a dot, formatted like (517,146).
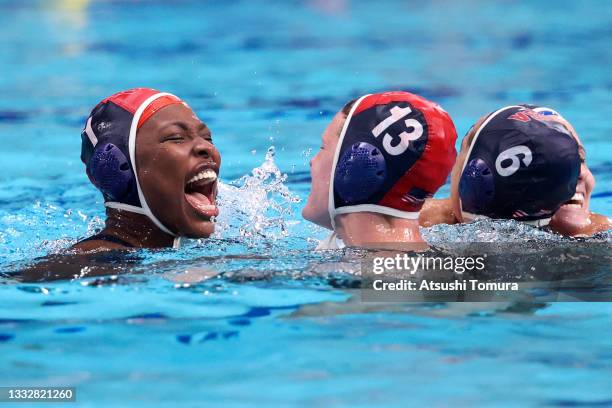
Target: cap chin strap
(176,244)
(408,215)
(144,209)
(470,217)
(331,207)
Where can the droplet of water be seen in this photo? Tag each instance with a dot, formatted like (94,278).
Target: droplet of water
(256,207)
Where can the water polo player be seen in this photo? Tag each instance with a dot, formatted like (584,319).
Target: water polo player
(520,162)
(155,163)
(381,157)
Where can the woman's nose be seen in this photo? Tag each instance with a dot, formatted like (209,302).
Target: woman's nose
(582,173)
(204,149)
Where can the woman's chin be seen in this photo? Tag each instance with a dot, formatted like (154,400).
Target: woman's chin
(203,229)
(321,218)
(569,220)
(308,213)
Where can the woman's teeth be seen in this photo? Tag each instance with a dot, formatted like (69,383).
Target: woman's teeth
(576,201)
(578,197)
(207,175)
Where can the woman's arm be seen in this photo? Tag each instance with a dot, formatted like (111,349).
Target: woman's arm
(437,212)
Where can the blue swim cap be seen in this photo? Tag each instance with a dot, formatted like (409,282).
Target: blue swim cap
(108,147)
(395,150)
(519,165)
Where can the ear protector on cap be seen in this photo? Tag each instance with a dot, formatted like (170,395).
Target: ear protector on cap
(477,186)
(110,171)
(360,172)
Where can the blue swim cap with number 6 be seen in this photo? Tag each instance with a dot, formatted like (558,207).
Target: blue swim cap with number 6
(521,165)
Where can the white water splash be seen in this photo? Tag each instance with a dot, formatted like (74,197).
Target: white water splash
(488,230)
(256,206)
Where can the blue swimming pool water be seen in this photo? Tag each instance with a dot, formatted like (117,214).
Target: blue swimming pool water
(272,331)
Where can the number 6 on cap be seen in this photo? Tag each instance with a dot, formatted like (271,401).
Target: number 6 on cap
(512,154)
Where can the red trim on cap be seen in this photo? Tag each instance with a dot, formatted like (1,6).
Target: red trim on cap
(131,99)
(431,170)
(156,105)
(385,98)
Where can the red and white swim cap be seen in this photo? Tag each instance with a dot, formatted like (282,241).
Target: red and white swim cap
(395,150)
(108,147)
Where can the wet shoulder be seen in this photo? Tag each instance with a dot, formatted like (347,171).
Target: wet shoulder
(96,245)
(100,242)
(600,223)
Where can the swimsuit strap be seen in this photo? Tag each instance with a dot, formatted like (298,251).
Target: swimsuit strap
(108,238)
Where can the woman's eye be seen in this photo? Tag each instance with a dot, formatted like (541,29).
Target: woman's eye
(174,138)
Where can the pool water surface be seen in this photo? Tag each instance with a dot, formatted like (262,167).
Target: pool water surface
(272,329)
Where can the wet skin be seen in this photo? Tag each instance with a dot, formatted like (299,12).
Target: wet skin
(316,208)
(574,217)
(172,147)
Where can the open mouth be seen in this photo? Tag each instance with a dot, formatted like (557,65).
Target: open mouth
(575,202)
(201,191)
